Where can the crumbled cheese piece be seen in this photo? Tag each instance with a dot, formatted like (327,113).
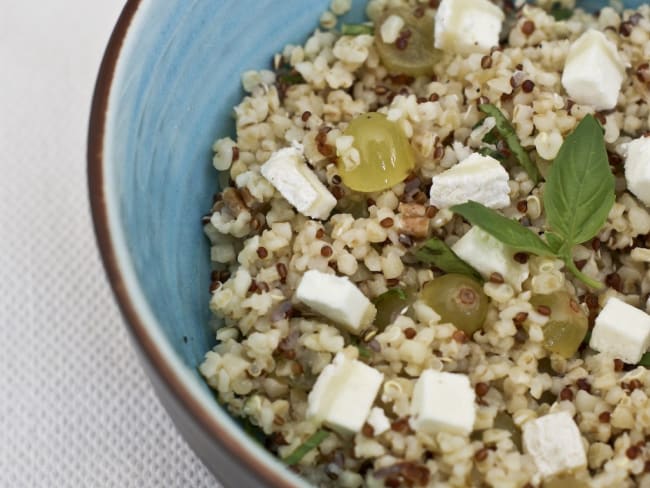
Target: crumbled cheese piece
(554,443)
(391,28)
(467,26)
(479,178)
(299,185)
(637,167)
(443,402)
(488,255)
(337,298)
(593,71)
(343,394)
(378,421)
(622,331)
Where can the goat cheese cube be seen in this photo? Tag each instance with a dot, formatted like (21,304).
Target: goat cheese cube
(378,421)
(554,443)
(637,167)
(488,255)
(343,394)
(336,298)
(287,172)
(443,402)
(467,26)
(477,177)
(622,331)
(593,71)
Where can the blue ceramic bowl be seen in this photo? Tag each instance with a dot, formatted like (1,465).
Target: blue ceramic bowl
(165,92)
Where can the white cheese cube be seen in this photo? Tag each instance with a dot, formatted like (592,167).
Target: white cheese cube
(593,71)
(343,394)
(489,255)
(287,171)
(378,421)
(477,177)
(467,26)
(637,167)
(337,298)
(443,402)
(554,443)
(622,331)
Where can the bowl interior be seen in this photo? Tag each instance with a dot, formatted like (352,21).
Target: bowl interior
(176,83)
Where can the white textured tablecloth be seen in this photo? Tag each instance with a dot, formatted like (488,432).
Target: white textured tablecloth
(75,407)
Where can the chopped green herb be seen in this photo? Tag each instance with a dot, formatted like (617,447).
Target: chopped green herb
(645,360)
(587,337)
(491,137)
(286,75)
(396,292)
(506,131)
(436,252)
(560,12)
(356,29)
(390,304)
(302,450)
(364,352)
(486,151)
(578,196)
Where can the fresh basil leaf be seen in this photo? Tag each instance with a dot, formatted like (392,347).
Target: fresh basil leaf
(645,360)
(554,241)
(509,135)
(436,252)
(508,231)
(301,451)
(560,12)
(579,191)
(356,29)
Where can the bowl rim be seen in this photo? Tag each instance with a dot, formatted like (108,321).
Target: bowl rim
(134,323)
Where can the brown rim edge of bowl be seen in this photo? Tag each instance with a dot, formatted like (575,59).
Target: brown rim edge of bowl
(99,212)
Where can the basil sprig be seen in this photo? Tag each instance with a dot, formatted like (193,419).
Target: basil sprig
(436,252)
(578,196)
(507,131)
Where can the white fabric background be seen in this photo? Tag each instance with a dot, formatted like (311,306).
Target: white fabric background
(75,408)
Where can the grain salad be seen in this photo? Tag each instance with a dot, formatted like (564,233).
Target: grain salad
(431,251)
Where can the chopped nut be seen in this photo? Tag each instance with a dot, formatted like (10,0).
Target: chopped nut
(414,220)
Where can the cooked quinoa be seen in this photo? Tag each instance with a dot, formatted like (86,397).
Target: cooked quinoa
(272,346)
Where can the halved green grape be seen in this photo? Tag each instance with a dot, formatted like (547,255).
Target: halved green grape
(567,326)
(457,299)
(412,53)
(385,153)
(390,305)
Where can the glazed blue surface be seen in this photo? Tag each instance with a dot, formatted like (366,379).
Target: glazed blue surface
(177,84)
